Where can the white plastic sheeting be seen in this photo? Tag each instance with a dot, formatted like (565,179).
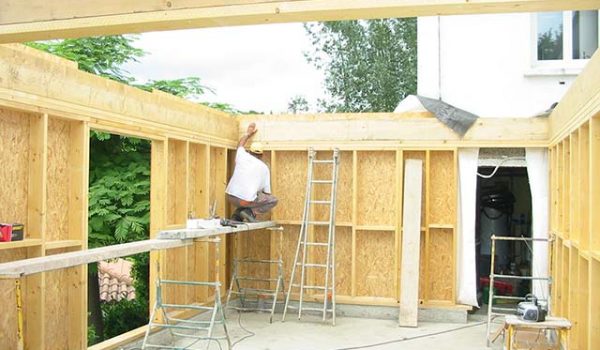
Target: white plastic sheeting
(537,169)
(467,274)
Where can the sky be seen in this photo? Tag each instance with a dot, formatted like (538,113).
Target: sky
(258,68)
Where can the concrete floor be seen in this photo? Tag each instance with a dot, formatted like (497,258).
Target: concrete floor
(348,333)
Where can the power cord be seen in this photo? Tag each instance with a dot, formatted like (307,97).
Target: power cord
(249,335)
(414,337)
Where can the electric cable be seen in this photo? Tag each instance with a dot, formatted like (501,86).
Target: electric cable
(413,337)
(249,335)
(484,176)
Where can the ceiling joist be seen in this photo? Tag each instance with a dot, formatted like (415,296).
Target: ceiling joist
(22,21)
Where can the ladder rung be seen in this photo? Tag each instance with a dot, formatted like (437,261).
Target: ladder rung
(256,290)
(323,161)
(172,326)
(322,181)
(193,307)
(318,244)
(312,265)
(257,261)
(505,309)
(314,287)
(319,223)
(321,202)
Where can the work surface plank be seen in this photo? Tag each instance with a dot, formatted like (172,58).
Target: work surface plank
(550,322)
(200,233)
(168,239)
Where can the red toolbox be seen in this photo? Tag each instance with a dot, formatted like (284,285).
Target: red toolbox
(11,232)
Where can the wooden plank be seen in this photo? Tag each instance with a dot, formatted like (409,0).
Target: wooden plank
(594,315)
(42,85)
(63,261)
(584,186)
(354,220)
(78,170)
(411,218)
(68,18)
(201,233)
(398,229)
(158,200)
(390,130)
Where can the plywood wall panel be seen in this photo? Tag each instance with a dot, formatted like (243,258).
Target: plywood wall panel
(375,263)
(59,134)
(441,264)
(343,258)
(290,184)
(442,189)
(14,155)
(344,188)
(376,184)
(176,179)
(56,305)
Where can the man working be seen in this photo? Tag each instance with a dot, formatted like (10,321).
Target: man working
(249,189)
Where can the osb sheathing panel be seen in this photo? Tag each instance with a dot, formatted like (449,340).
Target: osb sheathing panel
(8,316)
(343,213)
(376,181)
(290,184)
(14,155)
(375,263)
(290,241)
(59,138)
(442,189)
(420,155)
(176,269)
(343,258)
(441,263)
(56,307)
(254,245)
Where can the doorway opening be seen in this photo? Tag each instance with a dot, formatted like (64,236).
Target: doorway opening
(503,209)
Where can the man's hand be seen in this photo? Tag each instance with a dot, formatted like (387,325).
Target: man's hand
(249,132)
(251,129)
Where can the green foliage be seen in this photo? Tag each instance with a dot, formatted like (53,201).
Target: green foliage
(92,337)
(123,316)
(101,55)
(119,200)
(550,45)
(298,104)
(369,66)
(185,87)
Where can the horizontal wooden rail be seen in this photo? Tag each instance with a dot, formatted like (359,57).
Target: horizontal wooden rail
(20,268)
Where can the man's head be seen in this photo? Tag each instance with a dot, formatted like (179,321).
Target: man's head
(256,149)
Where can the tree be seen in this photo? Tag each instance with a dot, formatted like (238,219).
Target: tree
(369,66)
(298,104)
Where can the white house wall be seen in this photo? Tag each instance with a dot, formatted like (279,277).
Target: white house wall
(485,65)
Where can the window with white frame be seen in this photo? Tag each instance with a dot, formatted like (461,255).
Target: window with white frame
(565,38)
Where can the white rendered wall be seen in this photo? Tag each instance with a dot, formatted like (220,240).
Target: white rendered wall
(486,66)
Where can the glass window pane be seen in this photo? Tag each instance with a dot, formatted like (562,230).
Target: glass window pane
(550,36)
(585,34)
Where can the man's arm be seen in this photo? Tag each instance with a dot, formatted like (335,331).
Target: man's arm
(249,133)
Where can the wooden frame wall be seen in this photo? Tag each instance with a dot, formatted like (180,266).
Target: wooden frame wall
(574,205)
(47,109)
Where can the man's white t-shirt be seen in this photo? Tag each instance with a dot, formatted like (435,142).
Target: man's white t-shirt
(250,176)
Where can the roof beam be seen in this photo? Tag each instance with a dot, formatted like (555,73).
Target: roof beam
(42,19)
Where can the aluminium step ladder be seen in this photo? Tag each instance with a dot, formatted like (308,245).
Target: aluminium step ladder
(250,298)
(187,333)
(498,311)
(305,242)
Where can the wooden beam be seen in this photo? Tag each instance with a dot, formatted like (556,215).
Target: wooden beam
(65,260)
(41,20)
(580,103)
(201,233)
(381,131)
(411,237)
